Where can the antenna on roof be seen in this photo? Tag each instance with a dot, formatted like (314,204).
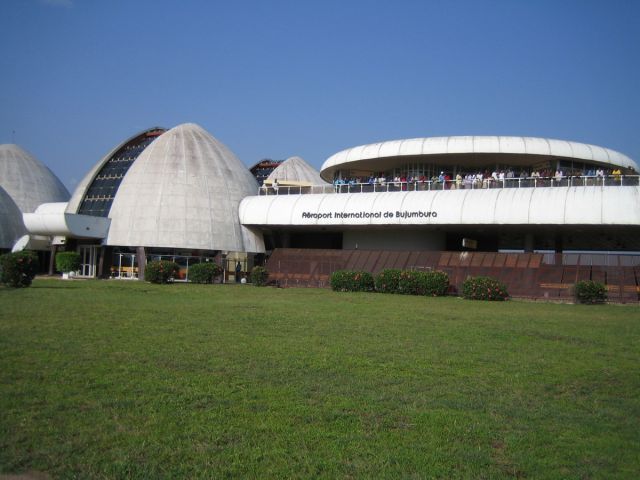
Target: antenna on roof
(13,136)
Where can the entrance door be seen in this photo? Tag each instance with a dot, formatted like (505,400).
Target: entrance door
(88,258)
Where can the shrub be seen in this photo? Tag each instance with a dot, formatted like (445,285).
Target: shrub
(161,271)
(387,280)
(259,276)
(67,261)
(410,283)
(423,283)
(18,269)
(436,284)
(351,281)
(588,291)
(484,288)
(205,272)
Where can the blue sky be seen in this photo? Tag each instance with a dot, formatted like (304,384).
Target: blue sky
(281,78)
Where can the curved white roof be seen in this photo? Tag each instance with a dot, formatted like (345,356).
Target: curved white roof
(11,226)
(295,169)
(465,145)
(183,191)
(500,206)
(28,181)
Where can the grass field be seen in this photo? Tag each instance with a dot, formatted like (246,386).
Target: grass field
(108,379)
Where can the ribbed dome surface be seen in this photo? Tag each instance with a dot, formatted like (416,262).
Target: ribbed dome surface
(28,181)
(183,191)
(11,226)
(295,169)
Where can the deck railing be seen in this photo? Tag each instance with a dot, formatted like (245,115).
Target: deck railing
(476,184)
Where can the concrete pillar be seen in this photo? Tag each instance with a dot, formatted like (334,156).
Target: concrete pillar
(52,260)
(529,242)
(142,262)
(558,243)
(101,261)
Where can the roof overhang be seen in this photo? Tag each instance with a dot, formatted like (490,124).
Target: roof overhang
(470,151)
(50,219)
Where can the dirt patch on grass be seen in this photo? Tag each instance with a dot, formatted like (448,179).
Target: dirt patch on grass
(30,475)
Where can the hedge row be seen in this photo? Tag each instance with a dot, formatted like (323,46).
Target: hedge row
(351,281)
(484,288)
(391,281)
(18,270)
(407,282)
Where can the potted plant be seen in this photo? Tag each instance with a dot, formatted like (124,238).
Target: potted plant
(68,263)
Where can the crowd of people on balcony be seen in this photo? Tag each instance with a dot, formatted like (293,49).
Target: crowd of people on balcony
(479,179)
(498,178)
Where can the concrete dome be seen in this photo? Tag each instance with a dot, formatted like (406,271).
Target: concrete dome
(296,170)
(11,226)
(28,181)
(183,191)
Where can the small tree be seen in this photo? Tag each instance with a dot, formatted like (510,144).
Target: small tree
(588,291)
(18,269)
(205,272)
(161,271)
(259,276)
(67,261)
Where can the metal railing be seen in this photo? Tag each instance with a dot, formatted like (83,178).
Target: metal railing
(464,184)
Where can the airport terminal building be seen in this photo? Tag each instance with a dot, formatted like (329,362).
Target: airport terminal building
(182,194)
(490,193)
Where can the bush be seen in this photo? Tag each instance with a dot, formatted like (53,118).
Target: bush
(423,283)
(435,284)
(18,269)
(438,283)
(351,281)
(259,276)
(204,272)
(588,291)
(387,280)
(410,283)
(67,261)
(161,271)
(484,288)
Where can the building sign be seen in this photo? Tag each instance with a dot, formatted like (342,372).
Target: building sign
(388,214)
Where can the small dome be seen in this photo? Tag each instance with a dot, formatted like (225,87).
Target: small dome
(11,225)
(183,191)
(295,170)
(28,181)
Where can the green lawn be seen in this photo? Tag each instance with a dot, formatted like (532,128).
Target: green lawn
(115,379)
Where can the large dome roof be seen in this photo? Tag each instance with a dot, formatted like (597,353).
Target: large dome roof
(28,181)
(11,226)
(183,191)
(295,169)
